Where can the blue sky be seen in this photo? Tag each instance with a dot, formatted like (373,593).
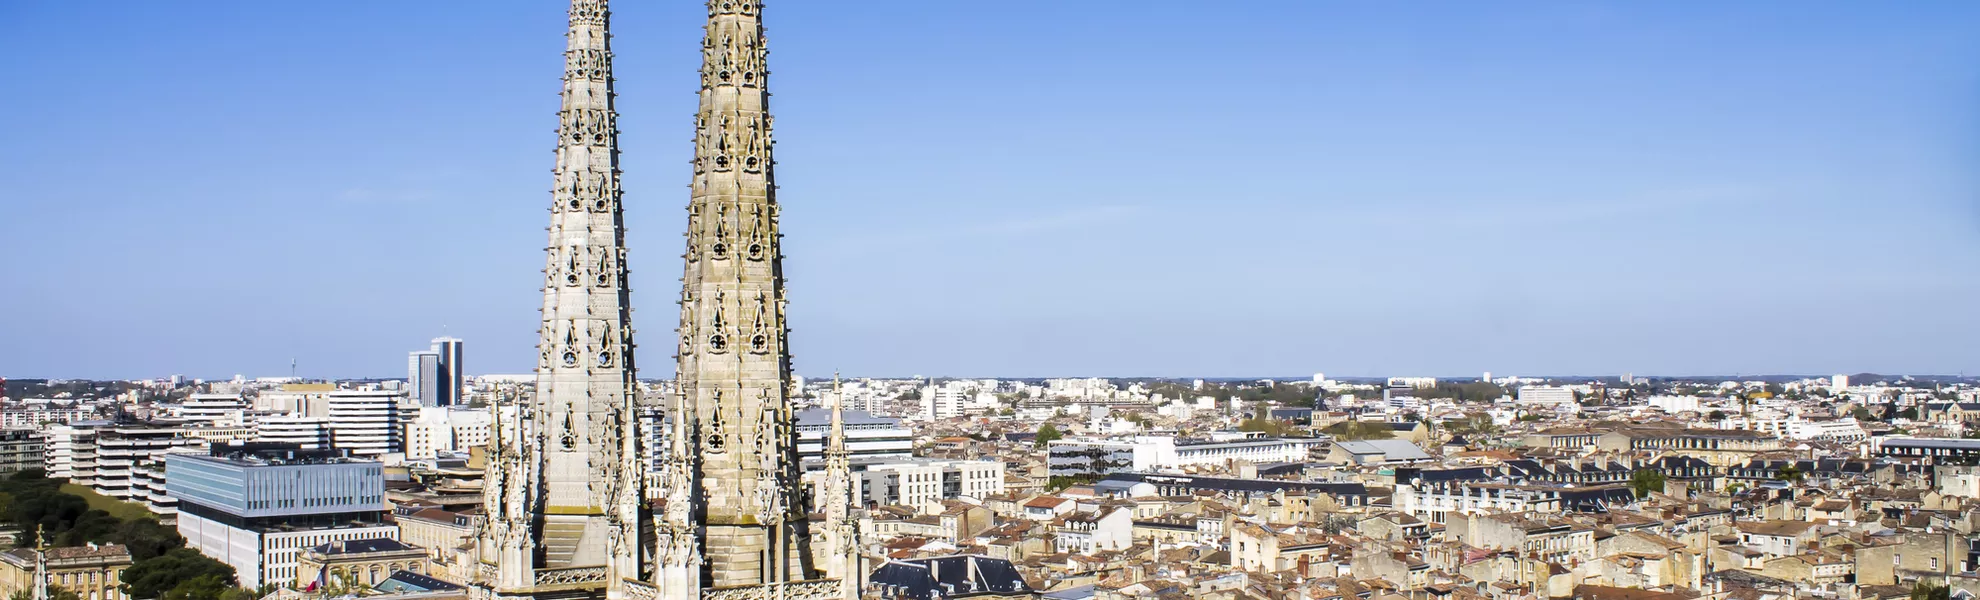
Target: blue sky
(1021,188)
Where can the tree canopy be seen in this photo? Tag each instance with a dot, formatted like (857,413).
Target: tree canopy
(179,574)
(1047,433)
(1359,430)
(161,566)
(1646,481)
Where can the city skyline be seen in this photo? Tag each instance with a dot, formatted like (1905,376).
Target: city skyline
(1090,203)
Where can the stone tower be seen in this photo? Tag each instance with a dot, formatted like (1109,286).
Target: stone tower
(734,367)
(563,487)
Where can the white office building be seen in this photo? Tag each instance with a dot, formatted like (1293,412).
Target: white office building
(1155,453)
(1674,404)
(308,433)
(368,423)
(37,418)
(1541,395)
(214,409)
(257,509)
(71,451)
(439,429)
(867,436)
(1833,430)
(123,451)
(922,483)
(944,401)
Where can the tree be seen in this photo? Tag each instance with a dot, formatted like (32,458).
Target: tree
(146,539)
(1359,430)
(1046,434)
(175,568)
(1266,426)
(1646,481)
(1924,590)
(1717,415)
(1862,414)
(1472,424)
(210,586)
(55,592)
(1910,413)
(1788,473)
(1058,483)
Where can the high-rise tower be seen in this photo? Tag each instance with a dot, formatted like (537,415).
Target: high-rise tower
(563,490)
(735,370)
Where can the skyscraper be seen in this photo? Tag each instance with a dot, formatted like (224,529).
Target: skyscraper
(563,493)
(425,379)
(449,350)
(433,376)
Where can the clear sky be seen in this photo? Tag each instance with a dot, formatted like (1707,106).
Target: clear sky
(1021,187)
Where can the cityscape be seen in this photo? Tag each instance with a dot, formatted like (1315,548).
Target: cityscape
(740,474)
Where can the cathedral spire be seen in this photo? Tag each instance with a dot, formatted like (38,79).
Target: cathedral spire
(841,523)
(565,487)
(734,369)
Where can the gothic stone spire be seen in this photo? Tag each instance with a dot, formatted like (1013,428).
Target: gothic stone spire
(842,539)
(567,481)
(734,370)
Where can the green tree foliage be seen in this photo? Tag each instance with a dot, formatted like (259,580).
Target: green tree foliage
(37,503)
(1716,415)
(1472,424)
(162,567)
(1646,481)
(1268,427)
(1788,473)
(55,592)
(179,574)
(1476,391)
(1925,590)
(1046,434)
(1359,430)
(1058,483)
(147,539)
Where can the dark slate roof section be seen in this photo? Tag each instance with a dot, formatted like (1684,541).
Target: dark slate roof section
(1243,485)
(1442,475)
(1596,499)
(1526,467)
(959,576)
(1291,468)
(1683,462)
(410,581)
(361,546)
(1936,443)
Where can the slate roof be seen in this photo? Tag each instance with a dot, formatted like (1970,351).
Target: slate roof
(407,581)
(1390,449)
(960,576)
(361,546)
